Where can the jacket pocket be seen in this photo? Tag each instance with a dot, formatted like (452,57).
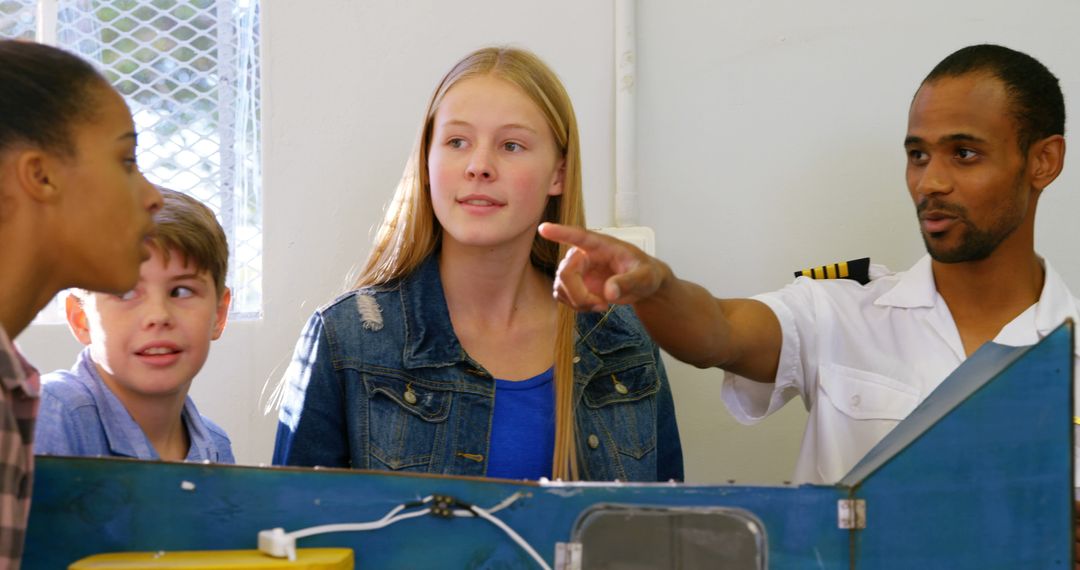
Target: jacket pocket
(406,421)
(855,410)
(620,414)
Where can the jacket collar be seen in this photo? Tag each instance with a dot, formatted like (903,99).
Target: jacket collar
(429,334)
(600,334)
(430,338)
(603,333)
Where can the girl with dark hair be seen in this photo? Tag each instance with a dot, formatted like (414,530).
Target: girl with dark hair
(74,212)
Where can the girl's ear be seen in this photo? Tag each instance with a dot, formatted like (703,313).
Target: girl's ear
(33,177)
(560,176)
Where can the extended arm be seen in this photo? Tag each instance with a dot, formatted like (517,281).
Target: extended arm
(739,335)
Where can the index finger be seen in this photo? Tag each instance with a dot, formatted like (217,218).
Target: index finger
(570,235)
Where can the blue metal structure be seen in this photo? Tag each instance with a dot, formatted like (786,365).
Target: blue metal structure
(981,472)
(979,476)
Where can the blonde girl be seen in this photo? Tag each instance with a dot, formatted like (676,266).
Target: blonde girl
(450,355)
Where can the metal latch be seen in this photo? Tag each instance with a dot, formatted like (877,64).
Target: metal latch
(851,513)
(567,556)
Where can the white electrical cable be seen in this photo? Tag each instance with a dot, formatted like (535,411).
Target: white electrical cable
(276,542)
(510,532)
(505,503)
(356,527)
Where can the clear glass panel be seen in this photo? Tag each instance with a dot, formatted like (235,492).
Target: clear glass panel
(630,537)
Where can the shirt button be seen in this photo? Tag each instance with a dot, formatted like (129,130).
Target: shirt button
(410,397)
(855,401)
(594,441)
(621,388)
(577,359)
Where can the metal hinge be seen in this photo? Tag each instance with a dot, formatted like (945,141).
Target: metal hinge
(851,513)
(567,556)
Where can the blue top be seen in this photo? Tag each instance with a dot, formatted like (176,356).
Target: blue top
(523,428)
(81,416)
(379,380)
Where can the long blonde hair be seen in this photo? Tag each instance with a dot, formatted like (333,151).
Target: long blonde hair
(410,232)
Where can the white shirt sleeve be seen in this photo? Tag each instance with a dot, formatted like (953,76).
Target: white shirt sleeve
(750,401)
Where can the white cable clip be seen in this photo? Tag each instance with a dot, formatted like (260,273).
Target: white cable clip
(276,542)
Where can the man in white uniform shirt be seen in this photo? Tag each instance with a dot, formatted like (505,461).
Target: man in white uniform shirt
(985,137)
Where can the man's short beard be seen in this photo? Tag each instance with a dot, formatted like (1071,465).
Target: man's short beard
(976,244)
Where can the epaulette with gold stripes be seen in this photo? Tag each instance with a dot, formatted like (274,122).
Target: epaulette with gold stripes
(857,269)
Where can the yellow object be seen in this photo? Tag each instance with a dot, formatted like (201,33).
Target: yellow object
(306,559)
(834,271)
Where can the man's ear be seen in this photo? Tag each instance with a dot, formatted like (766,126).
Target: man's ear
(76,318)
(1046,159)
(222,315)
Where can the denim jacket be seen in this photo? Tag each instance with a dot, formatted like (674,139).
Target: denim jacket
(379,381)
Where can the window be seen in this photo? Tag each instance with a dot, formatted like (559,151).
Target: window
(189,69)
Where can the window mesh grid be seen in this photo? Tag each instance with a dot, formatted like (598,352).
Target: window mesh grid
(189,69)
(17,19)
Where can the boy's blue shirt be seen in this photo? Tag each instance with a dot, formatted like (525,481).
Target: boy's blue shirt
(80,415)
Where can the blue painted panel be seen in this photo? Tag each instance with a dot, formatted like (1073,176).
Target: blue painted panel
(85,506)
(980,477)
(989,485)
(983,367)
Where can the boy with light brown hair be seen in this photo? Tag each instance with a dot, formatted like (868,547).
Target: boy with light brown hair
(127,393)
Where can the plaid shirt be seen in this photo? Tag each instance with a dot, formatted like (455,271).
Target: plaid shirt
(19,383)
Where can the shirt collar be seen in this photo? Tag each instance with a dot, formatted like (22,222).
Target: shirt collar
(1056,303)
(124,436)
(916,288)
(202,446)
(16,374)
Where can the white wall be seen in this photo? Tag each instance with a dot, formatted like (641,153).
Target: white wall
(345,86)
(770,140)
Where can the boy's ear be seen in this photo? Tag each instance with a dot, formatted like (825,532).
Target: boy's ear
(222,315)
(76,318)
